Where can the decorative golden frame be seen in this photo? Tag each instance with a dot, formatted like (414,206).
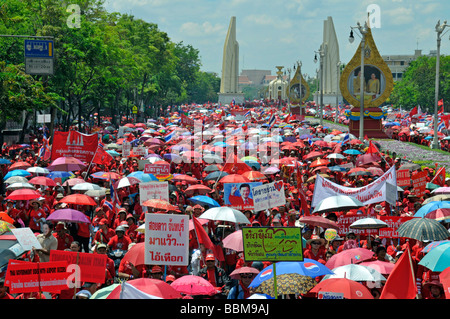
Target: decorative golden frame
(295,81)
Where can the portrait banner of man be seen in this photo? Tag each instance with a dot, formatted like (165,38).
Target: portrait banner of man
(239,195)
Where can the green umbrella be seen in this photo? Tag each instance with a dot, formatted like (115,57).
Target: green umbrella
(423,229)
(438,259)
(104,292)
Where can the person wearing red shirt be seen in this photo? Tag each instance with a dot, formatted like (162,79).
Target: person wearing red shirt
(121,215)
(317,250)
(61,234)
(110,268)
(104,234)
(99,215)
(132,228)
(119,240)
(36,216)
(4,290)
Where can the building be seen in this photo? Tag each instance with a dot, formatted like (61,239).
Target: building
(399,63)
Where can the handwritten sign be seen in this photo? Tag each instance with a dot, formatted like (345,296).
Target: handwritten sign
(166,239)
(22,277)
(157,169)
(126,149)
(26,238)
(92,266)
(269,195)
(153,190)
(419,180)
(403,178)
(272,244)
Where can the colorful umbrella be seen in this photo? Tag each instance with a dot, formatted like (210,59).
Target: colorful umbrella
(423,229)
(441,190)
(433,206)
(16,172)
(104,292)
(434,244)
(78,199)
(286,284)
(106,175)
(73,181)
(204,200)
(60,174)
(6,218)
(235,274)
(320,221)
(234,241)
(438,259)
(356,272)
(19,165)
(159,204)
(69,215)
(5,227)
(383,267)
(66,164)
(136,254)
(184,177)
(199,188)
(193,286)
(144,288)
(349,288)
(349,256)
(42,180)
(23,194)
(234,178)
(254,176)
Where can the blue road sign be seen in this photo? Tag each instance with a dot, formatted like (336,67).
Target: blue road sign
(39,48)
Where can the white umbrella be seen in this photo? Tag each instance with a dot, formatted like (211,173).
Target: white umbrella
(20,185)
(356,272)
(16,179)
(96,192)
(86,186)
(339,202)
(127,181)
(225,214)
(368,223)
(38,170)
(336,156)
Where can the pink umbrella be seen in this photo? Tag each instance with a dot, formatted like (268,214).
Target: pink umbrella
(201,220)
(153,288)
(23,194)
(235,274)
(441,190)
(69,215)
(349,256)
(73,181)
(66,164)
(234,241)
(193,285)
(383,267)
(42,180)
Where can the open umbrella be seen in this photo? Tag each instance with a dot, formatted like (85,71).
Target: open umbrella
(319,221)
(66,164)
(79,199)
(42,180)
(215,175)
(19,165)
(423,229)
(352,152)
(336,203)
(159,204)
(441,190)
(69,215)
(127,181)
(235,274)
(184,178)
(410,166)
(16,179)
(254,175)
(349,288)
(136,254)
(349,256)
(225,213)
(16,172)
(38,170)
(368,223)
(201,189)
(6,218)
(434,244)
(438,259)
(15,186)
(86,186)
(73,181)
(106,175)
(431,207)
(435,198)
(234,178)
(144,288)
(356,272)
(104,292)
(234,241)
(193,286)
(383,267)
(23,194)
(204,200)
(5,227)
(286,284)
(271,170)
(60,174)
(336,156)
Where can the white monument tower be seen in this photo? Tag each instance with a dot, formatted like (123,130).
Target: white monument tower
(230,68)
(331,66)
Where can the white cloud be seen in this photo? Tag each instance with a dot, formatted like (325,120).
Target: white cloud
(195,29)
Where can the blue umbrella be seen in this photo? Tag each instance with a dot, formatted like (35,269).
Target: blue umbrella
(204,200)
(113,153)
(172,157)
(17,172)
(437,259)
(434,244)
(352,152)
(253,163)
(4,161)
(215,175)
(59,174)
(337,168)
(221,144)
(428,137)
(144,177)
(307,267)
(431,206)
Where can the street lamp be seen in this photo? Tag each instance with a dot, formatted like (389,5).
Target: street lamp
(322,52)
(363,31)
(439,29)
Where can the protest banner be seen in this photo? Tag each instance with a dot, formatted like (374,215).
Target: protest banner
(140,150)
(403,178)
(26,238)
(166,239)
(74,144)
(239,195)
(126,149)
(92,266)
(272,244)
(23,277)
(268,196)
(394,223)
(419,181)
(374,192)
(157,169)
(153,190)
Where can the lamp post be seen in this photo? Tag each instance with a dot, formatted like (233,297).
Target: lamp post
(321,52)
(363,31)
(338,73)
(439,29)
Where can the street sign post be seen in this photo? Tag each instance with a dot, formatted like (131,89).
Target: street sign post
(39,57)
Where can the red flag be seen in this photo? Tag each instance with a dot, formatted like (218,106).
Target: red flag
(441,110)
(372,149)
(401,283)
(234,165)
(413,111)
(202,236)
(102,157)
(445,280)
(441,102)
(287,118)
(439,178)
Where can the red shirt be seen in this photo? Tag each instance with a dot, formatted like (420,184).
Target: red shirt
(36,214)
(102,237)
(64,241)
(320,257)
(119,243)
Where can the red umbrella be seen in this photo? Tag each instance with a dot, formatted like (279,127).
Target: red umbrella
(383,267)
(351,289)
(376,171)
(129,125)
(312,155)
(154,287)
(42,180)
(185,178)
(234,241)
(319,162)
(254,175)
(234,178)
(79,199)
(23,194)
(201,189)
(367,158)
(194,285)
(319,221)
(19,165)
(73,181)
(321,143)
(159,204)
(349,256)
(136,254)
(235,274)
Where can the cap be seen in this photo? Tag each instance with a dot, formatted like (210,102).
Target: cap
(103,221)
(210,257)
(101,245)
(170,278)
(156,269)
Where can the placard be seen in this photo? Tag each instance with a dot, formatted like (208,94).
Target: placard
(394,223)
(153,190)
(74,144)
(269,195)
(92,266)
(22,277)
(239,195)
(157,169)
(272,244)
(419,181)
(126,149)
(403,178)
(166,239)
(26,238)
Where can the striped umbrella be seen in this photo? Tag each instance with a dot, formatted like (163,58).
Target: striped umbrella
(423,229)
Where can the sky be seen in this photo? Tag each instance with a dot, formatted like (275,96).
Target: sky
(282,32)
